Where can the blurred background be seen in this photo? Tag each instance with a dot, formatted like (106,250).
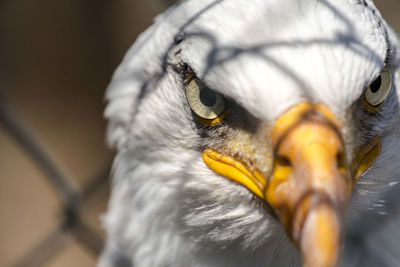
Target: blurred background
(56,59)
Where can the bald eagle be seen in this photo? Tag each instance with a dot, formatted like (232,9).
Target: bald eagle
(257,133)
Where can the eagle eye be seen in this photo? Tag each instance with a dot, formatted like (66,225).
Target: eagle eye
(204,102)
(379,89)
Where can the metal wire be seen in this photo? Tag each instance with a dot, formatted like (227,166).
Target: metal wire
(72,226)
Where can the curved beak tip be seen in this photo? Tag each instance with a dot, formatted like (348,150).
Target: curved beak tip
(320,238)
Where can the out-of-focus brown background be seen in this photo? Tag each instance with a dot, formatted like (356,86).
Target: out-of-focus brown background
(56,58)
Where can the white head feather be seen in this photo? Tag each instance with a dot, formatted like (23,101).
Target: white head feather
(167,208)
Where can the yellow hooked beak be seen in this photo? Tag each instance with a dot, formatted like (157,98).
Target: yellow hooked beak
(309,184)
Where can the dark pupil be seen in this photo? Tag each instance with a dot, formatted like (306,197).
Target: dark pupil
(208,97)
(375,85)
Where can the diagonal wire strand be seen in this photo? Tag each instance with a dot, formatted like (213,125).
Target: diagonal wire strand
(15,127)
(72,199)
(43,252)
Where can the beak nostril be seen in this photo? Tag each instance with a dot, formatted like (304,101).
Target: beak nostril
(283,161)
(340,160)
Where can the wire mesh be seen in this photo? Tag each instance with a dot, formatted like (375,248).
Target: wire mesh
(72,198)
(74,225)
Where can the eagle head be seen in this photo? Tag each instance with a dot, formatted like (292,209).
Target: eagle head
(253,133)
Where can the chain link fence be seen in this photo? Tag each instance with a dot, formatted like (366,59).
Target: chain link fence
(72,199)
(105,25)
